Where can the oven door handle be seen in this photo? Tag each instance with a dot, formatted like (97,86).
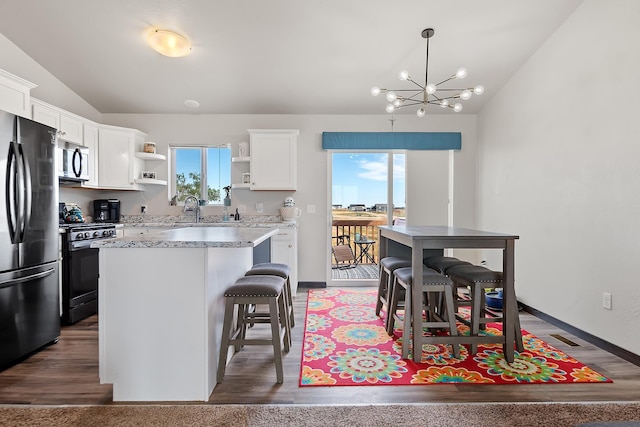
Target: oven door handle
(11,282)
(78,245)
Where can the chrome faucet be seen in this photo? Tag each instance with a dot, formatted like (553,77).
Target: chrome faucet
(195,207)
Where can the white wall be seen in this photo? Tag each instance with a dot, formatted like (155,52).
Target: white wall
(558,165)
(312,166)
(312,160)
(50,89)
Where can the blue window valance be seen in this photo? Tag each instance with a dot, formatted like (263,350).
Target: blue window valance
(391,140)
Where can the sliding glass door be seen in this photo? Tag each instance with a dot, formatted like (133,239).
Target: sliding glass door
(367,190)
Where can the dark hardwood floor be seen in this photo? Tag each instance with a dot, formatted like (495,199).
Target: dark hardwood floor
(66,373)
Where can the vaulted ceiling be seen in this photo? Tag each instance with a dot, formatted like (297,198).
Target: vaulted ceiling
(276,56)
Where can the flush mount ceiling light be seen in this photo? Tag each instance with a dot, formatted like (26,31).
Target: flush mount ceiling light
(191,103)
(429,93)
(169,43)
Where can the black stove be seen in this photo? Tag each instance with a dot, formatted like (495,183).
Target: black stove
(86,233)
(86,225)
(80,268)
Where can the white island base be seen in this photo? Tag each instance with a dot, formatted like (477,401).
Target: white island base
(160,319)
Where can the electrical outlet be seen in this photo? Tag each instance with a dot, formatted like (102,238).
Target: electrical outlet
(606,300)
(259,207)
(311,209)
(143,209)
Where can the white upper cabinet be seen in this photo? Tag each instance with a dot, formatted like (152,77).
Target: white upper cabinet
(91,142)
(69,125)
(118,166)
(273,159)
(15,94)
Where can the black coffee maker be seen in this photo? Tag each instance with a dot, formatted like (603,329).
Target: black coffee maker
(106,210)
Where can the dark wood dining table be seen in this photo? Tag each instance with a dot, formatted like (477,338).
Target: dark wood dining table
(431,240)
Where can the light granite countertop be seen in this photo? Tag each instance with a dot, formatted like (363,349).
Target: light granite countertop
(236,224)
(180,221)
(193,237)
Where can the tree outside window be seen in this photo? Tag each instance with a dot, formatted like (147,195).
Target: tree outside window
(192,186)
(201,172)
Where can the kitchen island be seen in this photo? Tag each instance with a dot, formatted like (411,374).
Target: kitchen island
(284,245)
(161,308)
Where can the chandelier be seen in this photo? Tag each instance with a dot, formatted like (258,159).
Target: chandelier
(429,93)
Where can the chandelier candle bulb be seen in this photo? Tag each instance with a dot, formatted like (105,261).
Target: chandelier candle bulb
(461,73)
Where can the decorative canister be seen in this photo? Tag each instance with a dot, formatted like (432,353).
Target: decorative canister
(149,147)
(290,214)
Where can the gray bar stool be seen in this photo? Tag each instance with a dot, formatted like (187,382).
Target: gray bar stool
(385,277)
(479,279)
(442,264)
(280,270)
(256,290)
(432,281)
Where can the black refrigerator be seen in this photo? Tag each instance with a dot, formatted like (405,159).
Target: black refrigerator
(29,295)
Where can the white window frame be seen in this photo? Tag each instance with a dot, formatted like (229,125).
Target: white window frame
(203,170)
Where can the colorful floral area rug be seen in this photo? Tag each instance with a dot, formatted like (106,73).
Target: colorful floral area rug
(345,343)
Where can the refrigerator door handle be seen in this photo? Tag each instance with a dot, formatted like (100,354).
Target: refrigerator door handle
(77,155)
(11,282)
(26,189)
(11,194)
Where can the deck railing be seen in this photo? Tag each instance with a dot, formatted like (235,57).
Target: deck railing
(365,229)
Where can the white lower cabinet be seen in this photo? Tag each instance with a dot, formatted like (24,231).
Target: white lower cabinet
(284,250)
(118,167)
